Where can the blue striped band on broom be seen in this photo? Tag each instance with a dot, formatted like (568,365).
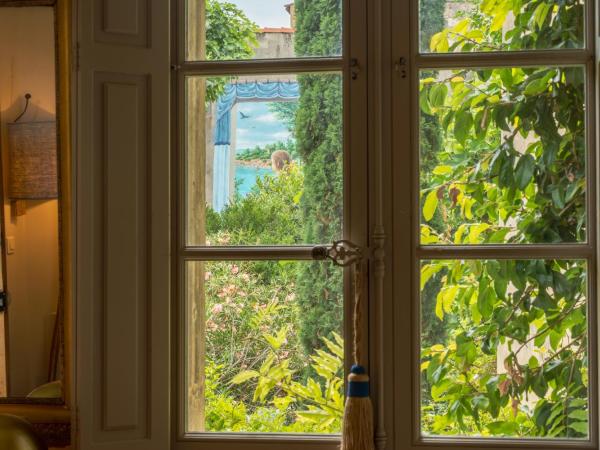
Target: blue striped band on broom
(357,431)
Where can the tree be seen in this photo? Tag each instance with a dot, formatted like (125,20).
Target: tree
(230,35)
(319,143)
(512,360)
(286,112)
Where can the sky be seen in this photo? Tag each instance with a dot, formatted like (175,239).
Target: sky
(265,13)
(260,127)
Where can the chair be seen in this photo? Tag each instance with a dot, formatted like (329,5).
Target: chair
(18,434)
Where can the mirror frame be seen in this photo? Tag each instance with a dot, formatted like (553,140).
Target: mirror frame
(52,419)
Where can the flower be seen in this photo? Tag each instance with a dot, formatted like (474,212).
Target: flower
(217,308)
(235,269)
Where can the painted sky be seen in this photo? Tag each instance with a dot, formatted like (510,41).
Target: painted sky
(265,13)
(260,127)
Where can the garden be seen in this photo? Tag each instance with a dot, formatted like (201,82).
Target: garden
(504,343)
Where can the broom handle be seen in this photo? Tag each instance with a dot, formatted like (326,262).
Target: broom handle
(357,316)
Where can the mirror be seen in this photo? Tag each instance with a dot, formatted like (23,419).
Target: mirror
(31,308)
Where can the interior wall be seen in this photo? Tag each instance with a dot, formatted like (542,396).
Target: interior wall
(27,65)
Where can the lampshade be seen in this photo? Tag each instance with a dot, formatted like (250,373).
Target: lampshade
(32,161)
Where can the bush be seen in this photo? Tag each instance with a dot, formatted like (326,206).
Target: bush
(269,214)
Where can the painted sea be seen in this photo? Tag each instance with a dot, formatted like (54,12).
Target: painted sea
(256,126)
(246,176)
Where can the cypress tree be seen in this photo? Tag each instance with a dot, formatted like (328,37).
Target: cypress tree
(319,125)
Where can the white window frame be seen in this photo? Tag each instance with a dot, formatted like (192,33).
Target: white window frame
(353,65)
(408,252)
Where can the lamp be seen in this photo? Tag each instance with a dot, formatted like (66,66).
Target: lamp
(31,162)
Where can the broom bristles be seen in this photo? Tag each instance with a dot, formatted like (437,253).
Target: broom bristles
(357,432)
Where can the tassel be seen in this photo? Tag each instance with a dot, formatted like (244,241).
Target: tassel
(357,431)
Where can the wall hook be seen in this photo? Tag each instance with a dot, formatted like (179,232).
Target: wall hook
(27,98)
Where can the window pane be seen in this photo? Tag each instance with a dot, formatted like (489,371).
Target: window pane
(500,25)
(264,160)
(504,349)
(503,155)
(219,30)
(264,347)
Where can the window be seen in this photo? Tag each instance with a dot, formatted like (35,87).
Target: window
(455,142)
(503,243)
(271,155)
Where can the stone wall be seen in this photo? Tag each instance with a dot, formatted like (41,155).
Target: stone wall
(274,43)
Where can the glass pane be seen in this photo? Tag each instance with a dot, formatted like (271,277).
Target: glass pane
(503,156)
(264,347)
(504,349)
(264,160)
(219,30)
(500,25)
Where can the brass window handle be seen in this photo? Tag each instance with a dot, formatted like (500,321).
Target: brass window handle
(342,253)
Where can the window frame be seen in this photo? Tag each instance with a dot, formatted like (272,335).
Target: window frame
(355,221)
(408,252)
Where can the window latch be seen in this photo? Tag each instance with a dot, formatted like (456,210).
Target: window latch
(342,253)
(354,68)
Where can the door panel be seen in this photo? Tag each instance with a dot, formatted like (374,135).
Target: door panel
(123,225)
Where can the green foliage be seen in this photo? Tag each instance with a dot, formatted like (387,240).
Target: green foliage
(504,342)
(501,25)
(431,20)
(319,124)
(316,405)
(264,153)
(253,323)
(286,112)
(513,167)
(247,302)
(229,35)
(513,360)
(318,28)
(269,214)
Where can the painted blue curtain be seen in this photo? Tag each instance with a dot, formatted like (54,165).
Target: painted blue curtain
(234,93)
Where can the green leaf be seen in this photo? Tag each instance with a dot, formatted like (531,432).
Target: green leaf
(579,414)
(524,171)
(558,197)
(540,386)
(424,102)
(485,302)
(498,21)
(427,272)
(580,427)
(437,95)
(475,232)
(503,428)
(540,13)
(462,125)
(439,42)
(242,377)
(541,414)
(444,300)
(442,170)
(431,204)
(536,86)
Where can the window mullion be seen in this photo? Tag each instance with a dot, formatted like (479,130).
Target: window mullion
(503,59)
(257,67)
(566,251)
(250,253)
